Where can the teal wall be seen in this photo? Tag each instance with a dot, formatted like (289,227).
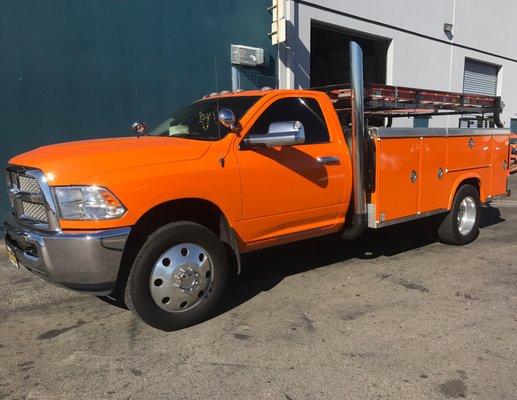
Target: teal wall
(75,69)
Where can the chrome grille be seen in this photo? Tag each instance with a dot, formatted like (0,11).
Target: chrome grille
(37,212)
(28,184)
(27,197)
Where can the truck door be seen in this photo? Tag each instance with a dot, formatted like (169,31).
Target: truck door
(286,190)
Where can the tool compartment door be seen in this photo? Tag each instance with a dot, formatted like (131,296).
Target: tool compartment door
(499,173)
(469,152)
(398,162)
(432,173)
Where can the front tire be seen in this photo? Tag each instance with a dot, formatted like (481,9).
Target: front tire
(178,277)
(461,225)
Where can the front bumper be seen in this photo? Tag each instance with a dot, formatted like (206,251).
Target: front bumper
(83,261)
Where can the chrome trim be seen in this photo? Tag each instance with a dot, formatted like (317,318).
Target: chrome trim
(478,131)
(358,139)
(384,132)
(358,131)
(45,197)
(26,196)
(283,133)
(328,160)
(440,173)
(84,261)
(139,128)
(53,220)
(226,118)
(413,176)
(181,278)
(371,216)
(467,215)
(383,224)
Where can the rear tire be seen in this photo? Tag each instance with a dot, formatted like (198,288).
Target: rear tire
(461,225)
(178,277)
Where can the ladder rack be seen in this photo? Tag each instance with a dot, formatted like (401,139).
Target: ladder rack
(398,101)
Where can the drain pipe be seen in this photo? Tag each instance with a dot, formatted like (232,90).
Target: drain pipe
(358,144)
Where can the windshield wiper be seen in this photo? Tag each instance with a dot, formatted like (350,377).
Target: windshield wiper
(190,136)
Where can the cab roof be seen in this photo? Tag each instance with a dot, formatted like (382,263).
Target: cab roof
(242,93)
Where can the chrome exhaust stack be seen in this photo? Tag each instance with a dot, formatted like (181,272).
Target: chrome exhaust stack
(359,221)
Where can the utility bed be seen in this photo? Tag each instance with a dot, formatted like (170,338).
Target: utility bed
(417,170)
(414,172)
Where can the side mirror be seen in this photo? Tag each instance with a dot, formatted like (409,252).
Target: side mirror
(139,128)
(227,118)
(285,133)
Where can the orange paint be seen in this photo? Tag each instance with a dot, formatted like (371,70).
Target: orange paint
(432,159)
(477,158)
(272,196)
(500,162)
(397,195)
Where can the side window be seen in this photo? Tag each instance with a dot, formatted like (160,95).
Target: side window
(305,110)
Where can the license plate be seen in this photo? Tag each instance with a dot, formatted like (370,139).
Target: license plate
(12,257)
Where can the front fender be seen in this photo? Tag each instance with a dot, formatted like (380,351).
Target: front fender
(143,188)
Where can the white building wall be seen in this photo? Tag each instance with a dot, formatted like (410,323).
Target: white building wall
(420,54)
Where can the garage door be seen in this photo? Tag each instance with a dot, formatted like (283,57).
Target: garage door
(480,78)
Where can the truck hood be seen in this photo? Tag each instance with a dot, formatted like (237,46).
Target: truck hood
(70,162)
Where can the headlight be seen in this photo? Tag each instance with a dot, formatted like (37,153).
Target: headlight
(87,203)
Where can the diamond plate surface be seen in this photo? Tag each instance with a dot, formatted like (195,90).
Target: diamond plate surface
(34,211)
(28,184)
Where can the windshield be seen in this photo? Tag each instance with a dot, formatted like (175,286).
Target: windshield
(199,120)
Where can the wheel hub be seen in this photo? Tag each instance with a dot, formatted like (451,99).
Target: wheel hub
(466,215)
(187,279)
(181,277)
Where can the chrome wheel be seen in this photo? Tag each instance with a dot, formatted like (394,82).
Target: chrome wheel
(181,278)
(466,215)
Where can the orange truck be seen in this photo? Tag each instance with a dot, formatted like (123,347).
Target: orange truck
(159,220)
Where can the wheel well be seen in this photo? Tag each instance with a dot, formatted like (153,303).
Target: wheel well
(469,181)
(199,211)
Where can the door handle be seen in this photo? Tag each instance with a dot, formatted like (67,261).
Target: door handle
(328,160)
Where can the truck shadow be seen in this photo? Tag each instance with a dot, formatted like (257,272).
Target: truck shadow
(264,269)
(292,158)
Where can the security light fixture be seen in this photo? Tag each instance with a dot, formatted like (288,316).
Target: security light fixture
(245,55)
